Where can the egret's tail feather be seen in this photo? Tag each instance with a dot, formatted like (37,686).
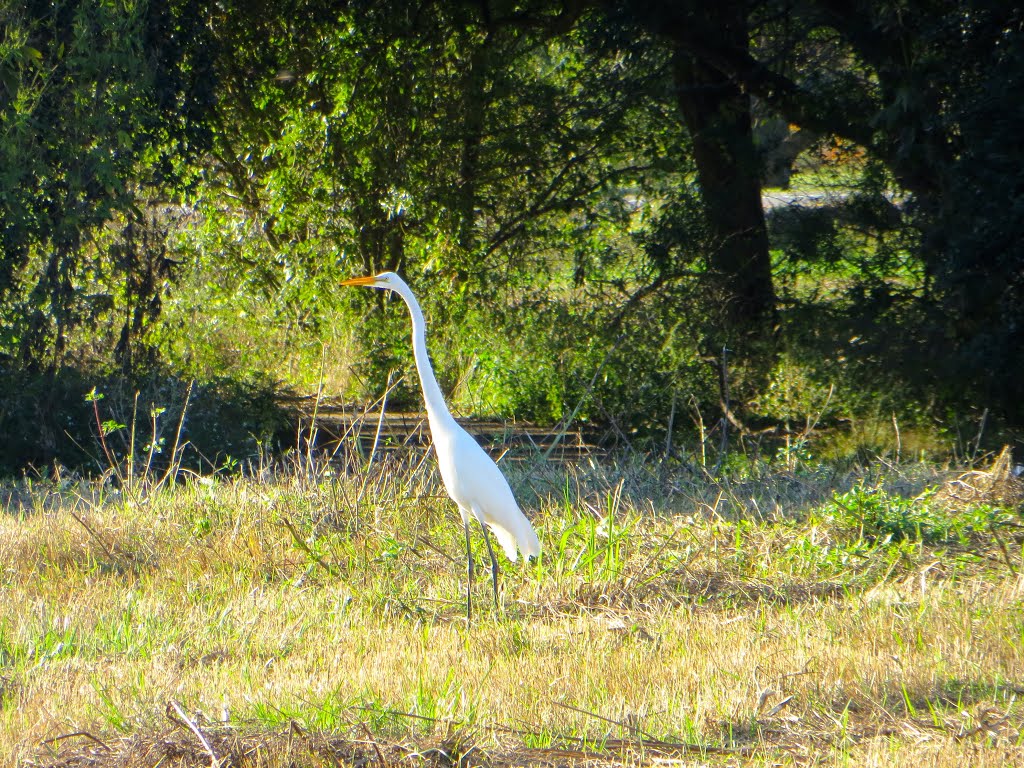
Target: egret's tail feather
(522,537)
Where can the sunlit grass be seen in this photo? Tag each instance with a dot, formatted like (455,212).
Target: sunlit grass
(760,620)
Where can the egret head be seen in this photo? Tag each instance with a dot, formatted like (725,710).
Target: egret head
(388,280)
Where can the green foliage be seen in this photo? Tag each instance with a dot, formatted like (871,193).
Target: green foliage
(426,168)
(794,394)
(527,370)
(594,545)
(91,114)
(182,185)
(978,250)
(38,413)
(532,187)
(934,98)
(58,419)
(881,517)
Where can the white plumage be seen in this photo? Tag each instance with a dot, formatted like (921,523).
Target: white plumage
(471,478)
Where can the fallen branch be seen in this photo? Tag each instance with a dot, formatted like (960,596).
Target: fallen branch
(186,721)
(76,734)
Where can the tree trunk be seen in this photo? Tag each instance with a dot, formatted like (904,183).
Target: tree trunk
(474,107)
(717,114)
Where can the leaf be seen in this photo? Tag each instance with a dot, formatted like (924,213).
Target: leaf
(111,425)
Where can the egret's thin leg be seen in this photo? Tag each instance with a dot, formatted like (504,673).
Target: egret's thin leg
(494,562)
(469,580)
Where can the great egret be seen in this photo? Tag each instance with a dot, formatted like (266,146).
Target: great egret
(471,478)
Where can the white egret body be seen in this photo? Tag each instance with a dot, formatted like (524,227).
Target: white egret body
(471,478)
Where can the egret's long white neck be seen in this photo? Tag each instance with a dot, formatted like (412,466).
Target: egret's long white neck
(437,411)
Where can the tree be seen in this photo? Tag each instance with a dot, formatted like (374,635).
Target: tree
(473,152)
(929,90)
(97,102)
(932,91)
(717,114)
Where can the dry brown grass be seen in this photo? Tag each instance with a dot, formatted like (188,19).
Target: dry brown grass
(997,485)
(669,622)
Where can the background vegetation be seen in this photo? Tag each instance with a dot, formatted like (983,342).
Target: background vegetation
(574,190)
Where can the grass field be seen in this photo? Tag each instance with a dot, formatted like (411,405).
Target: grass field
(314,615)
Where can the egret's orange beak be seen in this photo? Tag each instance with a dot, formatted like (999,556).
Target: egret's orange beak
(359,281)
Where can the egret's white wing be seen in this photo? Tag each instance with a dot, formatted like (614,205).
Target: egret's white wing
(474,481)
